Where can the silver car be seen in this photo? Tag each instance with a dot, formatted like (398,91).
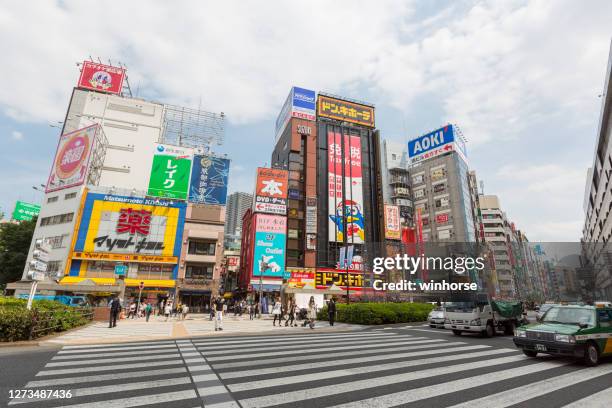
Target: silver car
(436,318)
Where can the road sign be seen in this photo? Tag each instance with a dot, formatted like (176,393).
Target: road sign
(42,245)
(38,276)
(40,255)
(38,265)
(120,270)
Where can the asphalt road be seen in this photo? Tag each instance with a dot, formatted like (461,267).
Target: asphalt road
(412,366)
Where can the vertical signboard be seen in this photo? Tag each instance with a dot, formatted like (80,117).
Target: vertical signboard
(271,191)
(100,77)
(345,189)
(392,222)
(170,173)
(72,159)
(209,180)
(25,211)
(270,245)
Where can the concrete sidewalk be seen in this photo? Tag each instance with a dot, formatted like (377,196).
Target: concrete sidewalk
(194,326)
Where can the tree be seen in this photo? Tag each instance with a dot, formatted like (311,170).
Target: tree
(15,239)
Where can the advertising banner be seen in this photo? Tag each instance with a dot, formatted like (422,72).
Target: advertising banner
(442,218)
(209,180)
(25,211)
(300,103)
(432,144)
(270,245)
(271,191)
(301,277)
(311,215)
(326,278)
(72,159)
(345,111)
(99,77)
(170,173)
(119,228)
(392,222)
(345,189)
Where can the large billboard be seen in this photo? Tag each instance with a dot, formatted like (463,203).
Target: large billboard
(434,144)
(209,180)
(25,211)
(170,172)
(100,77)
(392,222)
(345,111)
(130,229)
(271,191)
(270,245)
(345,189)
(72,159)
(300,103)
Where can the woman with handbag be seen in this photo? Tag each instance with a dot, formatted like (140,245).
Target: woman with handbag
(291,314)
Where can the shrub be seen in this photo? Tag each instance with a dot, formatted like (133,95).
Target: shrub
(18,323)
(379,313)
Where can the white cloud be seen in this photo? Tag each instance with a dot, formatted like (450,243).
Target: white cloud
(16,135)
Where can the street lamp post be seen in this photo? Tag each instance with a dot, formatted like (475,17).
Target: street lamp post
(263,266)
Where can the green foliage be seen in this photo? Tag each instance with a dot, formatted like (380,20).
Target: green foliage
(379,313)
(46,316)
(15,242)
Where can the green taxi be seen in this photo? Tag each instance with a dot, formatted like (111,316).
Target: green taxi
(579,331)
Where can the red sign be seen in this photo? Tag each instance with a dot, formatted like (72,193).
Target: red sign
(72,159)
(232,261)
(272,183)
(99,77)
(442,218)
(134,221)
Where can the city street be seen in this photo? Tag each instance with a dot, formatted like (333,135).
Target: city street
(377,367)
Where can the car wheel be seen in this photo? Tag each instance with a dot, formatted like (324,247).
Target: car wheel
(591,354)
(530,353)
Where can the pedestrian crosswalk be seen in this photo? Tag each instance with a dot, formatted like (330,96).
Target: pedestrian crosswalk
(299,370)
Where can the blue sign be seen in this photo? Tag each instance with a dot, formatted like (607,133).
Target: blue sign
(304,99)
(432,144)
(300,103)
(209,180)
(120,270)
(269,248)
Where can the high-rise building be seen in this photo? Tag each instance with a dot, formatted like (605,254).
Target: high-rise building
(597,229)
(237,204)
(396,180)
(440,187)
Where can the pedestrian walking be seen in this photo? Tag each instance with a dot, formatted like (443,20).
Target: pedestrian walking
(219,305)
(224,306)
(250,307)
(115,309)
(312,312)
(277,312)
(331,311)
(132,310)
(184,311)
(167,310)
(148,309)
(291,314)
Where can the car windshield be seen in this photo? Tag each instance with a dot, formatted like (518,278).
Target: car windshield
(570,315)
(545,308)
(460,306)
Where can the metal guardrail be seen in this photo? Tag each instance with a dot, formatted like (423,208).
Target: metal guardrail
(38,319)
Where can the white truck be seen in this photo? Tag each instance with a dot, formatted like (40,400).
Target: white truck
(480,314)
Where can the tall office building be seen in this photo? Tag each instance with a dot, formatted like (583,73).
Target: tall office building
(237,204)
(597,229)
(396,180)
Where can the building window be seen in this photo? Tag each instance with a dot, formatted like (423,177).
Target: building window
(201,248)
(52,199)
(57,219)
(56,242)
(199,271)
(417,179)
(439,188)
(70,196)
(438,174)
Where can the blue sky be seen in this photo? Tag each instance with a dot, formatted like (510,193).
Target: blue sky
(521,79)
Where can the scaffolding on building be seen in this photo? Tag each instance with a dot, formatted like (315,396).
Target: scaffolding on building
(195,128)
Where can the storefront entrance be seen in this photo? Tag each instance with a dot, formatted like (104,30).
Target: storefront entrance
(198,301)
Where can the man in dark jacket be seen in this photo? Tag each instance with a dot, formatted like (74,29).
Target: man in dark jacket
(115,309)
(331,310)
(218,306)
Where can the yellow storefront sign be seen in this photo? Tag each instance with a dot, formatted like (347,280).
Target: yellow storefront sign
(105,256)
